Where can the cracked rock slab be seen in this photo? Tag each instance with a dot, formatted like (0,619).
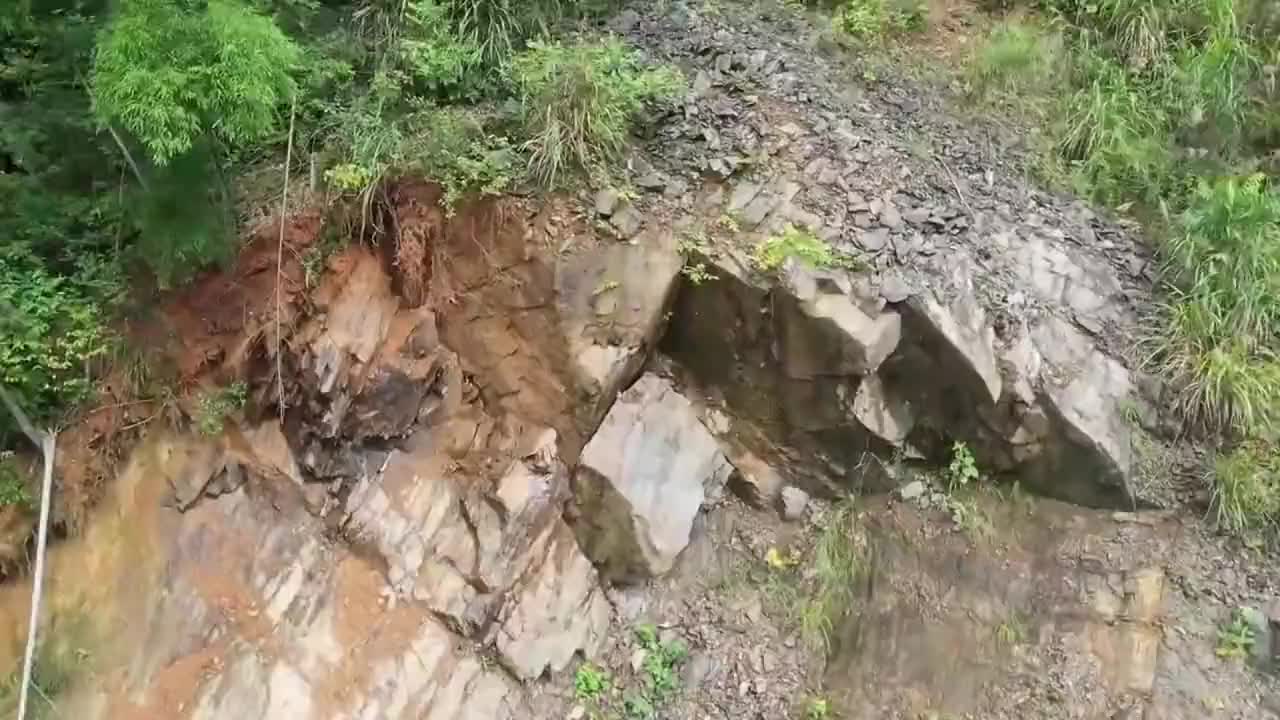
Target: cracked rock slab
(642,479)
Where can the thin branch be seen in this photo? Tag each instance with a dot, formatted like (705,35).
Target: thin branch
(284,207)
(956,185)
(24,423)
(128,156)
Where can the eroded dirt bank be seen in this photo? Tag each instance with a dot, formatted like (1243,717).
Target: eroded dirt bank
(512,436)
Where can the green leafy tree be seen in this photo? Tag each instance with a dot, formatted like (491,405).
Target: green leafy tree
(170,71)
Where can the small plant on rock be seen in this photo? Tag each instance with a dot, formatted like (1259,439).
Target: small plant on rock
(818,708)
(211,414)
(590,682)
(659,674)
(802,245)
(963,469)
(1013,631)
(1236,638)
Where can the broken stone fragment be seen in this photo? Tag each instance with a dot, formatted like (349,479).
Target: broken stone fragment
(793,502)
(755,481)
(606,202)
(642,479)
(888,417)
(825,333)
(911,490)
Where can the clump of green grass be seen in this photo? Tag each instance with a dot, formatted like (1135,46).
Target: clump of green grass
(802,245)
(579,101)
(819,594)
(1016,58)
(1223,315)
(1246,488)
(1115,135)
(1012,631)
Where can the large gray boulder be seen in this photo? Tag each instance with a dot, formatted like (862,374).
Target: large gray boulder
(642,479)
(1088,454)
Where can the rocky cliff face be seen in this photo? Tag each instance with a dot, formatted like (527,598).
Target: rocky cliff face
(490,453)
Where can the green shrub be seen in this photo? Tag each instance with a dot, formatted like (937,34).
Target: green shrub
(170,73)
(1215,79)
(867,19)
(579,101)
(52,329)
(1246,488)
(439,61)
(453,147)
(13,491)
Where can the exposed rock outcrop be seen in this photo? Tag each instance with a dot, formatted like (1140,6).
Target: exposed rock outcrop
(642,479)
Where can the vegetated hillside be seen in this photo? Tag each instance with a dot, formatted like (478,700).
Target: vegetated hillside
(139,137)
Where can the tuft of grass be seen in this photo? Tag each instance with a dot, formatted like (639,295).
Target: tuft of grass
(837,566)
(1012,631)
(579,101)
(1115,135)
(1246,489)
(1016,58)
(802,245)
(1223,315)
